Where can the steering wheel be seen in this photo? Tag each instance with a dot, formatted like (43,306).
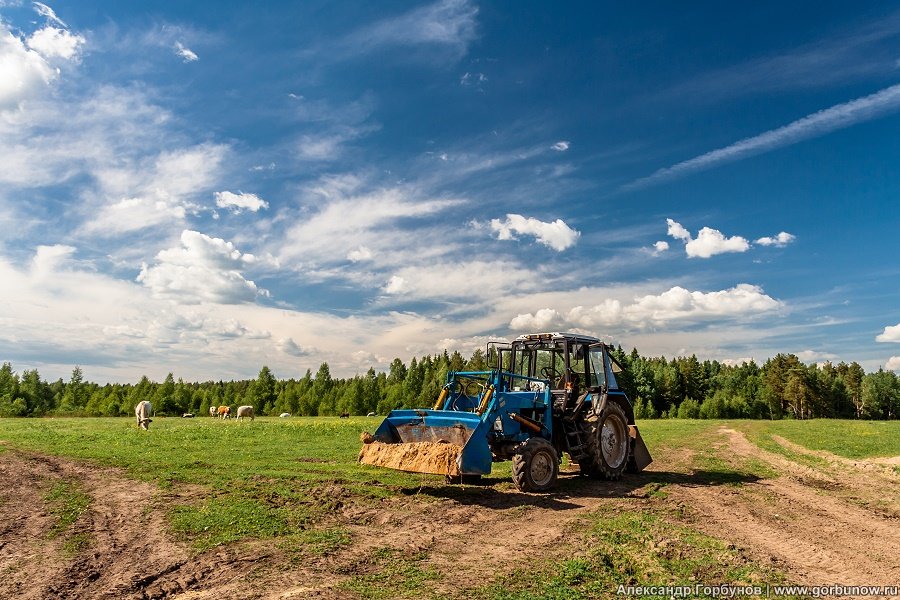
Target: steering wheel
(550,373)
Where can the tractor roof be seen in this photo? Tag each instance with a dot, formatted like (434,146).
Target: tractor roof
(572,337)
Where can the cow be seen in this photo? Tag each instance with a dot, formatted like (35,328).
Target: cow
(213,411)
(345,415)
(284,415)
(371,414)
(142,413)
(187,416)
(245,411)
(223,411)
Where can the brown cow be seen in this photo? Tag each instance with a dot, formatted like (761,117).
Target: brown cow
(224,411)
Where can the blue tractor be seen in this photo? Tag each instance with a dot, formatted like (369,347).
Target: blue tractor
(550,393)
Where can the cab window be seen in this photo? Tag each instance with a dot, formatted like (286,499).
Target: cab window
(598,372)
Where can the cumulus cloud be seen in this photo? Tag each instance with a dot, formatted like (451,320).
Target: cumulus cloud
(660,247)
(291,348)
(544,319)
(24,73)
(780,241)
(891,333)
(51,43)
(186,54)
(709,242)
(203,269)
(892,364)
(556,234)
(240,201)
(395,285)
(561,146)
(674,306)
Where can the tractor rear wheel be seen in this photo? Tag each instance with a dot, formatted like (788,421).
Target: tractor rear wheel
(535,466)
(609,443)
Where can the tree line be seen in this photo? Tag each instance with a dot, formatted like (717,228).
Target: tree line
(682,387)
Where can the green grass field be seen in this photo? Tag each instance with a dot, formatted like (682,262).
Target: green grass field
(278,478)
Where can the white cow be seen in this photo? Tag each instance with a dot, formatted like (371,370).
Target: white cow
(284,415)
(212,411)
(245,411)
(142,412)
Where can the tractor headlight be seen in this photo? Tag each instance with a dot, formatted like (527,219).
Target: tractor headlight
(498,424)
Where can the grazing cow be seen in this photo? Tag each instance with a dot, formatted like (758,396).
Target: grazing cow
(345,415)
(223,411)
(142,412)
(187,416)
(213,411)
(284,415)
(371,414)
(245,411)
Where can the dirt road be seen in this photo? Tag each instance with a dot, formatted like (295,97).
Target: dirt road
(834,523)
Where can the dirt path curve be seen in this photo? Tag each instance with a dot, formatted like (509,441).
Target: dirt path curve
(126,555)
(815,536)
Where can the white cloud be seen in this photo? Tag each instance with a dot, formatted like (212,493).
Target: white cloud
(892,364)
(186,54)
(660,247)
(561,146)
(709,242)
(290,347)
(342,221)
(23,73)
(396,285)
(47,12)
(555,234)
(469,79)
(544,319)
(817,124)
(815,356)
(676,306)
(359,254)
(677,230)
(156,190)
(240,201)
(781,240)
(891,333)
(474,280)
(55,43)
(448,24)
(203,269)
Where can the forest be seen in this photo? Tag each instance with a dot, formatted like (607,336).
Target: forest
(681,387)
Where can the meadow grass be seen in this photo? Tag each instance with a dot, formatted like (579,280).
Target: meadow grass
(67,502)
(279,478)
(266,478)
(850,439)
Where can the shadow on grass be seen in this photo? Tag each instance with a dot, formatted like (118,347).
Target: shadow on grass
(573,485)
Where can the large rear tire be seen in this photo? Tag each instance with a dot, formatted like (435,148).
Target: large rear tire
(535,466)
(609,444)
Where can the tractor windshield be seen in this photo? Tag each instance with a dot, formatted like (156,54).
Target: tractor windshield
(598,370)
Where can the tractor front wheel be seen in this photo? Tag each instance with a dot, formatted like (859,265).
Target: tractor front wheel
(535,466)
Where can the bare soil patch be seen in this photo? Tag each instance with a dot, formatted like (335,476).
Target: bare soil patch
(126,550)
(801,522)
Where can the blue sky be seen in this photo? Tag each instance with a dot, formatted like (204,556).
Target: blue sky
(205,188)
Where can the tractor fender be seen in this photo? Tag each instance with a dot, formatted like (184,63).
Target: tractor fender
(621,401)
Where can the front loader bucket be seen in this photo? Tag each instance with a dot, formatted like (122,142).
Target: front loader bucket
(441,442)
(640,456)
